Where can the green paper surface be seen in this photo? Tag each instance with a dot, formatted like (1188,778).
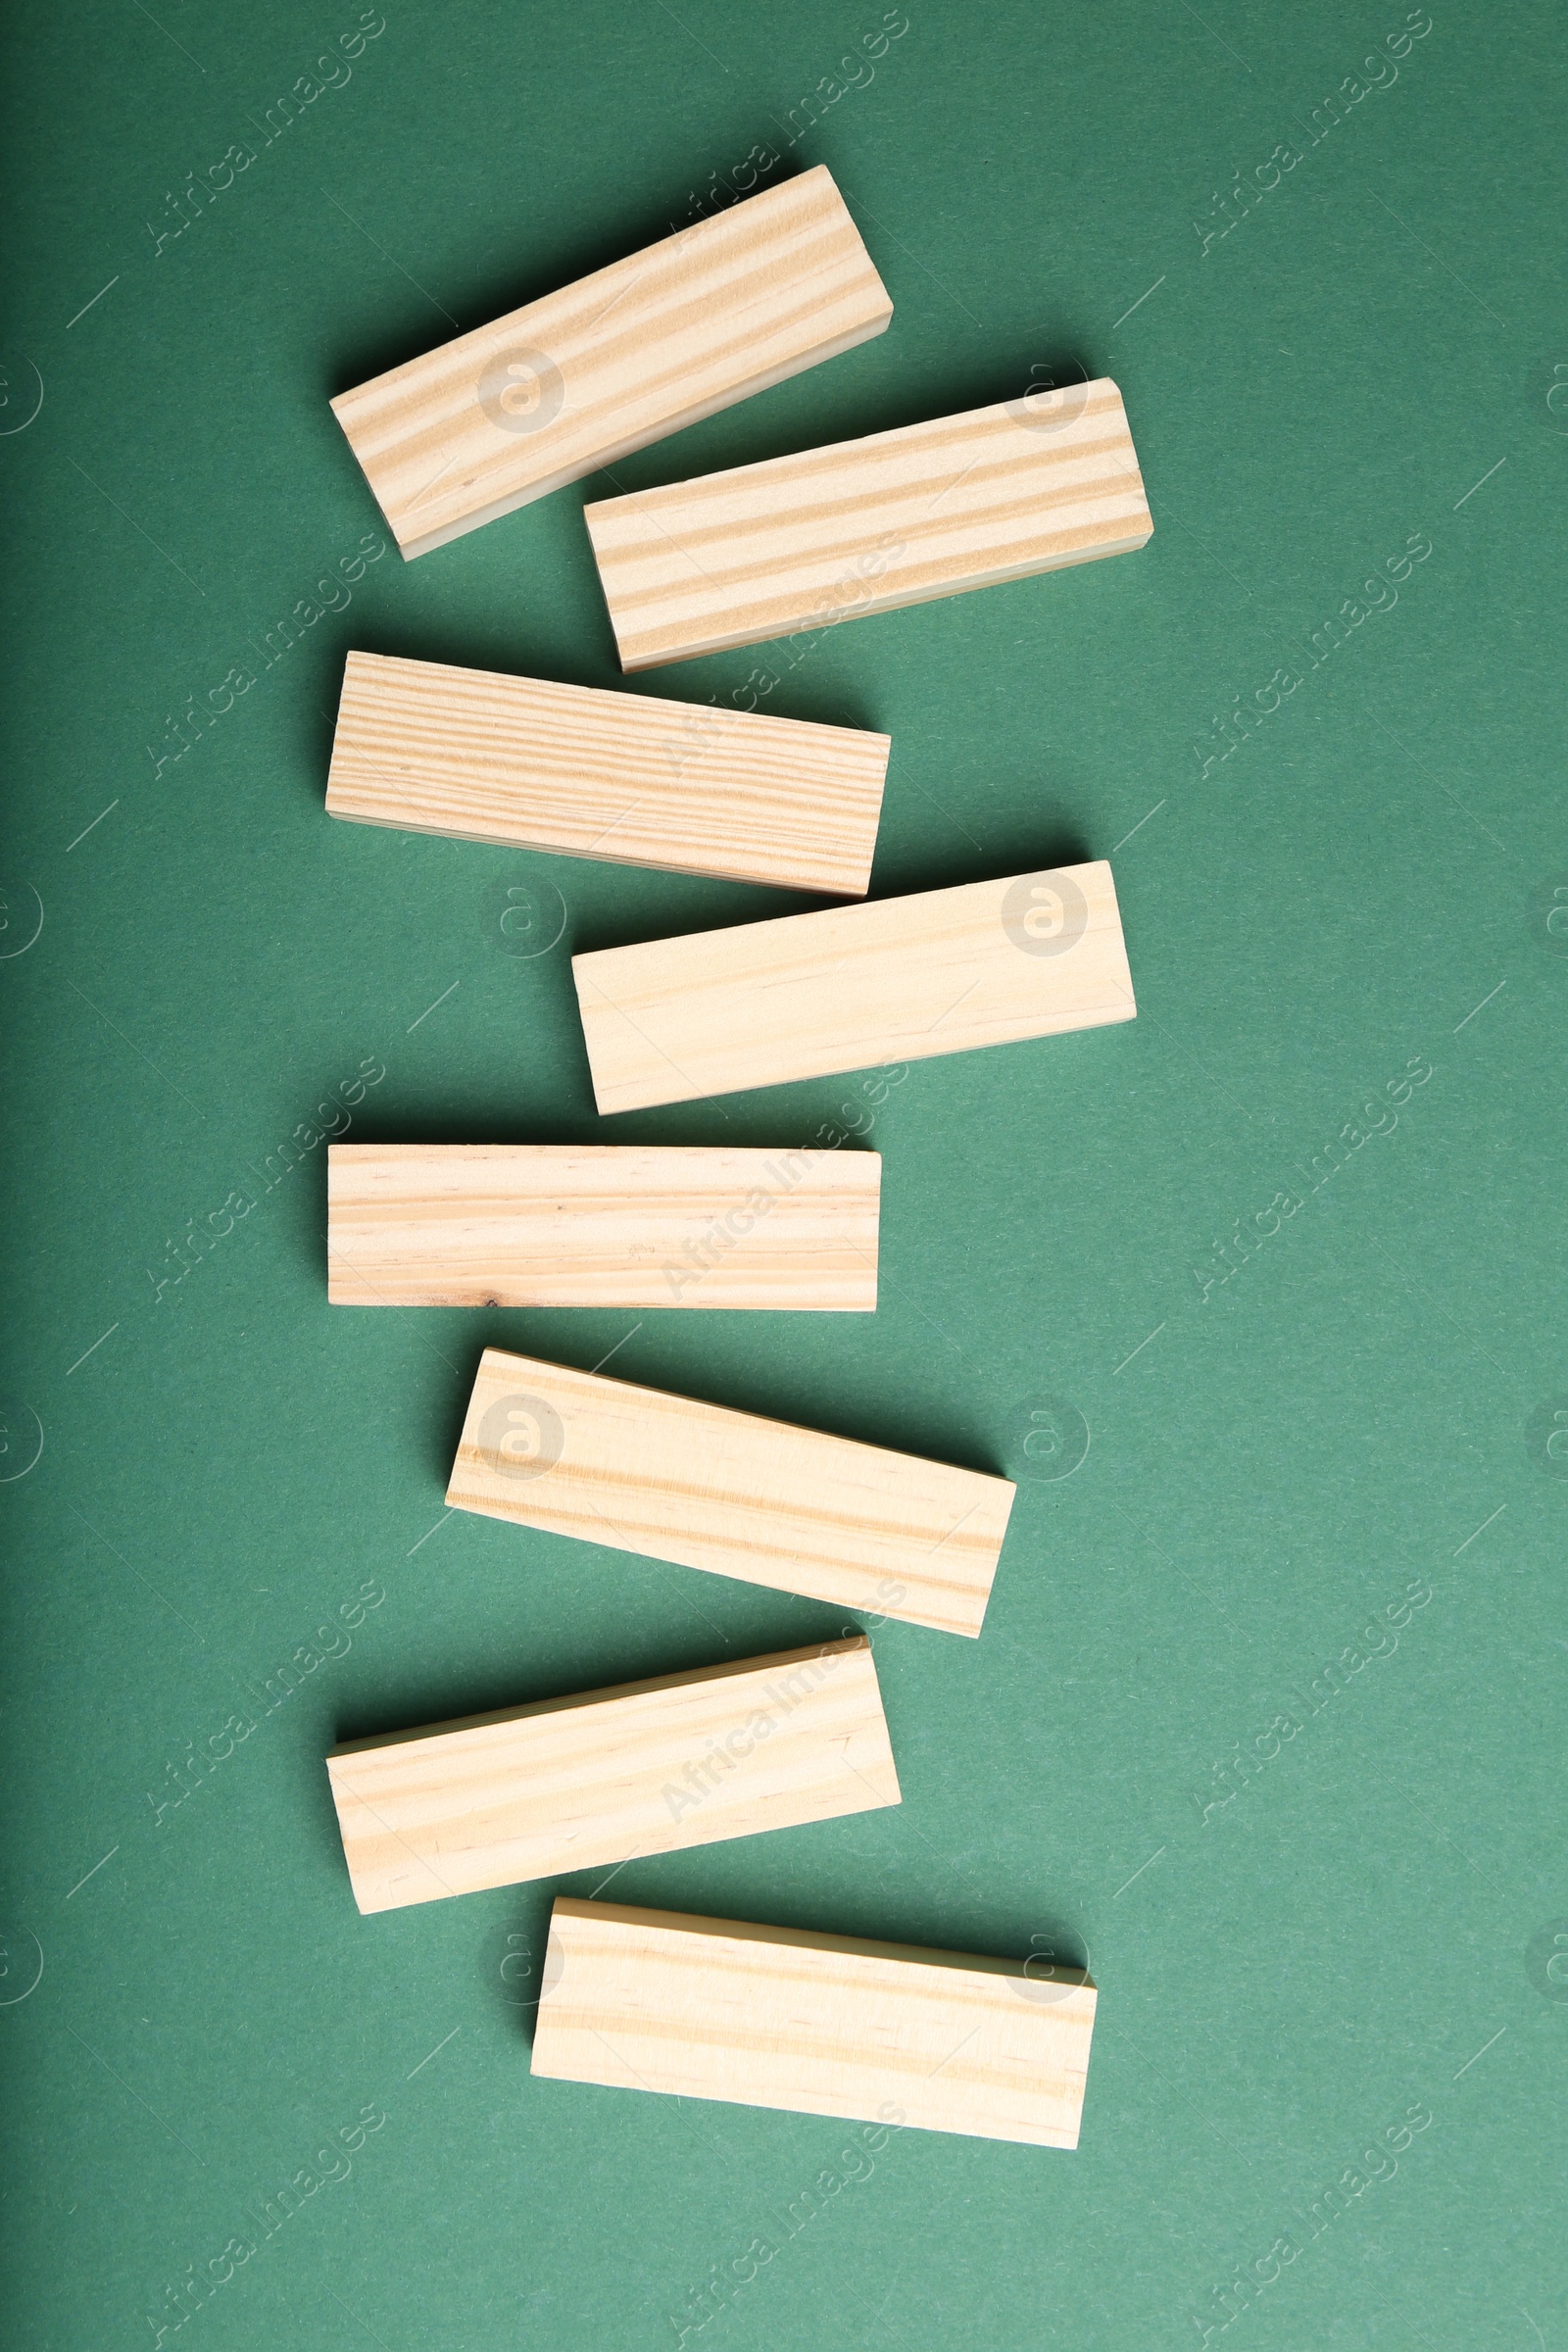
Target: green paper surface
(1261,1298)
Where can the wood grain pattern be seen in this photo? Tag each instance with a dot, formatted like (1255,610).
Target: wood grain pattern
(647,1768)
(818,2024)
(601,1225)
(852,987)
(573,1454)
(571,382)
(701,790)
(801,543)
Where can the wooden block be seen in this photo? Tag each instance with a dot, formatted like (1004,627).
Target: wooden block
(600,1225)
(575,1454)
(819,2025)
(570,1783)
(863,526)
(854,987)
(696,791)
(569,383)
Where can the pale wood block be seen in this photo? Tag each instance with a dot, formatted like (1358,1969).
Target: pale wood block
(854,987)
(646,1768)
(703,790)
(581,378)
(802,541)
(819,2025)
(601,1225)
(573,1454)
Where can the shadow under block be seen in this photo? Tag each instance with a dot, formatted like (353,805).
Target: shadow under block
(429,749)
(852,988)
(819,2025)
(570,1783)
(863,526)
(572,1453)
(571,382)
(601,1225)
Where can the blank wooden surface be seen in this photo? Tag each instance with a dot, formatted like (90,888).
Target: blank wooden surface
(600,1225)
(570,1783)
(571,382)
(854,987)
(820,2024)
(801,543)
(577,1454)
(698,790)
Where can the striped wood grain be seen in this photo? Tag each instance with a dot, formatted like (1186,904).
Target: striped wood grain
(601,1225)
(818,2024)
(571,382)
(799,542)
(647,1768)
(573,1454)
(898,980)
(703,790)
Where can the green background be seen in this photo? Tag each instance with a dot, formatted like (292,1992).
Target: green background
(1365,1926)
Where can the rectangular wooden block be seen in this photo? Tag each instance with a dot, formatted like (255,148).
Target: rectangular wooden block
(581,378)
(573,1454)
(863,526)
(601,1225)
(570,1783)
(430,748)
(854,987)
(819,2025)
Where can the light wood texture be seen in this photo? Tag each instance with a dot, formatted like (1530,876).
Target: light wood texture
(601,1225)
(804,542)
(572,1783)
(694,790)
(573,1454)
(819,2025)
(854,987)
(576,380)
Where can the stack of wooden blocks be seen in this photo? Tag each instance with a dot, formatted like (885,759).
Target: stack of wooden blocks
(825,2025)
